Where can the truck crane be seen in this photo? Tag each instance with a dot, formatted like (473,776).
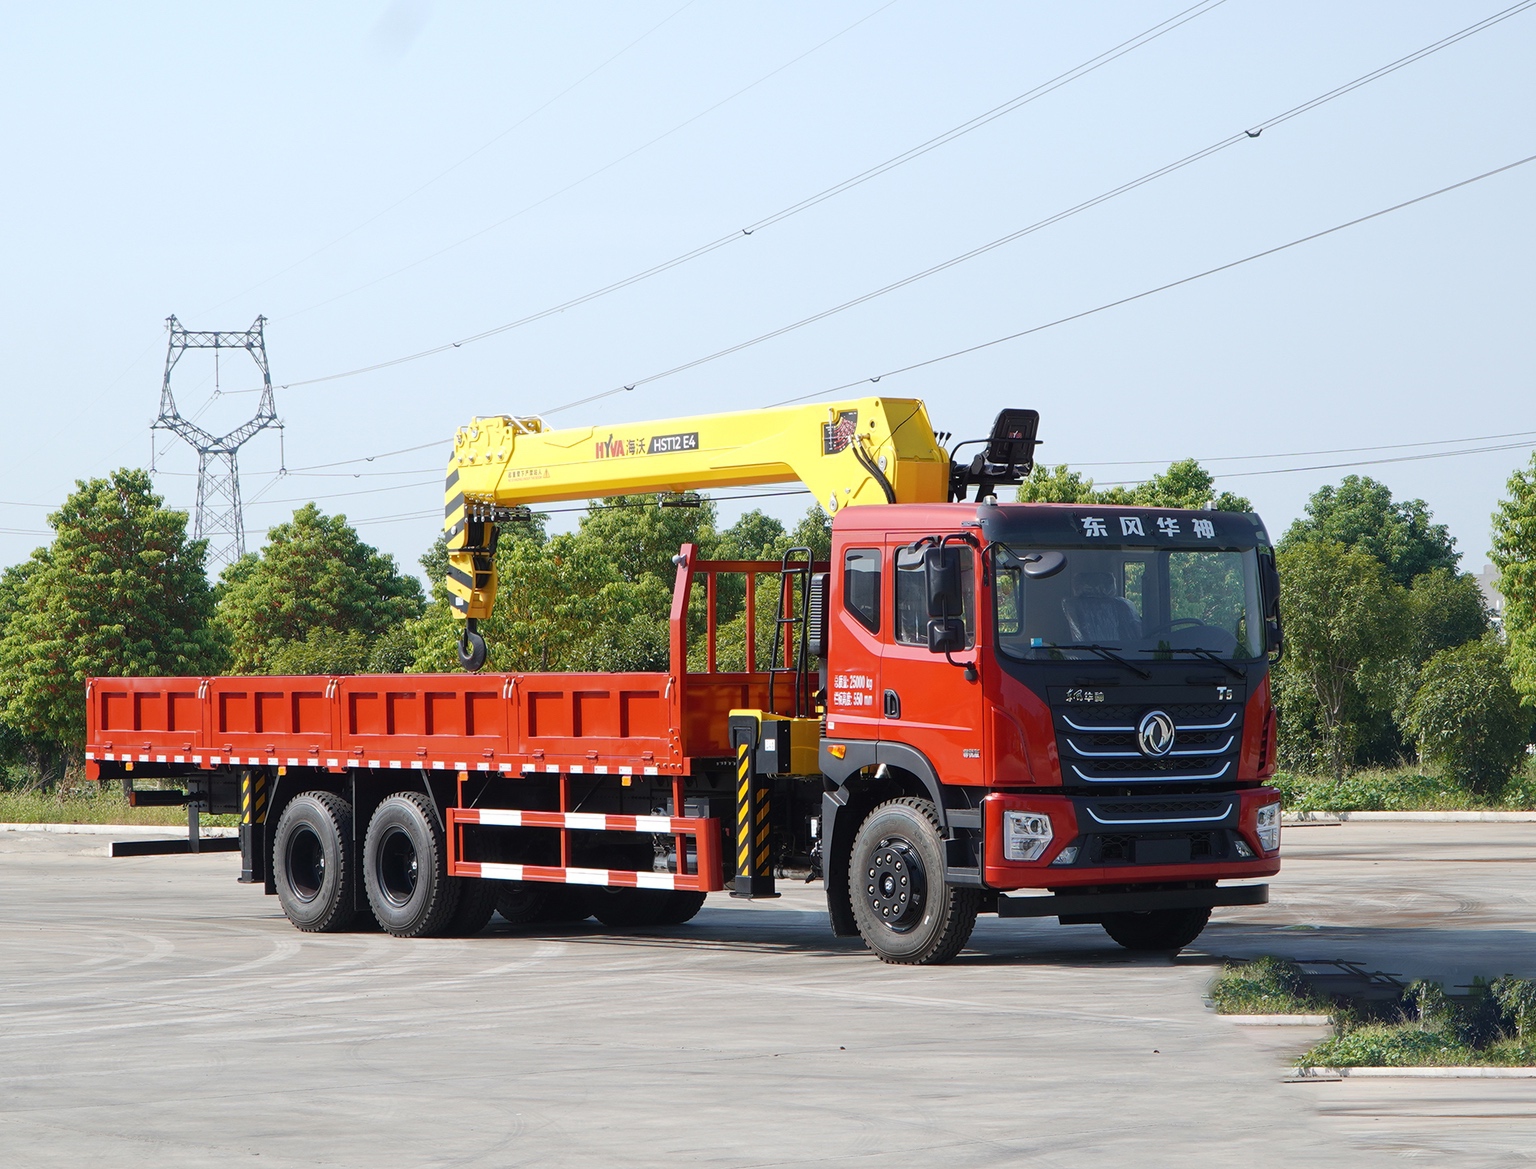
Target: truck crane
(1032,710)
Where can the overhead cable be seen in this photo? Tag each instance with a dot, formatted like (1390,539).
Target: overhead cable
(1081,70)
(518,214)
(1038,225)
(1124,300)
(442,174)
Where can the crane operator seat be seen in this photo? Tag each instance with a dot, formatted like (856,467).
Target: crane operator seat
(1097,613)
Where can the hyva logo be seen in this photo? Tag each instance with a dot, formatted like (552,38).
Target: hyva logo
(1154,735)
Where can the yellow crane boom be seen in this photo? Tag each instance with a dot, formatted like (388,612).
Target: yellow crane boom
(859,451)
(849,453)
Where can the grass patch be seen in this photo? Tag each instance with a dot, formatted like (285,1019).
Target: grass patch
(1492,1025)
(1403,789)
(93,804)
(1266,986)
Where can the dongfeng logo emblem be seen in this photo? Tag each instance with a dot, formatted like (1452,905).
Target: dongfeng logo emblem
(1154,735)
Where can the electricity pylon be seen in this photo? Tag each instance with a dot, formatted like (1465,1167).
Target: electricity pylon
(218,519)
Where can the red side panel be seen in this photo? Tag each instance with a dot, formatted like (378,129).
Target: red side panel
(262,718)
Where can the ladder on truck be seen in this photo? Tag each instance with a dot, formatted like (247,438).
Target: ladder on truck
(791,652)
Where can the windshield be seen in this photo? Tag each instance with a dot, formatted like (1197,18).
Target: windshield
(1138,602)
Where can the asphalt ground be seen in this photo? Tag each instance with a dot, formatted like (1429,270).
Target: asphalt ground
(153,1012)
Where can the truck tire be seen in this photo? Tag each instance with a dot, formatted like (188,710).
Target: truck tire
(312,862)
(405,868)
(905,911)
(680,906)
(566,904)
(620,907)
(523,902)
(1168,930)
(477,901)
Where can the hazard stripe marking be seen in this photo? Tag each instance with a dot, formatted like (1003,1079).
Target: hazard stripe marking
(590,821)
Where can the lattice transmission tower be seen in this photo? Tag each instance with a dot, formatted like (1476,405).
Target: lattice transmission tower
(218,519)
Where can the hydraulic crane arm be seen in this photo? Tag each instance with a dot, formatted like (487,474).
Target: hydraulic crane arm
(848,453)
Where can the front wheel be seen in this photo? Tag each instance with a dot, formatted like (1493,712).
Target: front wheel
(1166,930)
(905,911)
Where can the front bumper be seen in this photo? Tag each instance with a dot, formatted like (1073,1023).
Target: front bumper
(1085,907)
(1132,840)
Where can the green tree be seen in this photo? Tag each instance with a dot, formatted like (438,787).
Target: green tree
(1346,623)
(640,538)
(1514,555)
(120,592)
(1361,513)
(1446,609)
(1185,484)
(315,594)
(1060,485)
(1467,718)
(554,595)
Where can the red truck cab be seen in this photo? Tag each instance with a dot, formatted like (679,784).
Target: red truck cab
(1095,724)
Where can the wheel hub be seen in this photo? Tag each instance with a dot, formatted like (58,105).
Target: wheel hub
(896,884)
(306,864)
(399,868)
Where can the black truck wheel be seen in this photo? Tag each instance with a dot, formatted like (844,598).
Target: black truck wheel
(620,907)
(477,901)
(905,912)
(312,862)
(539,903)
(566,904)
(523,902)
(1168,930)
(679,906)
(405,868)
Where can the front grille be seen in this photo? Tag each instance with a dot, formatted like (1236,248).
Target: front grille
(1099,745)
(1128,809)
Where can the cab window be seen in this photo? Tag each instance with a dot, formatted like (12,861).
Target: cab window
(861,586)
(912,596)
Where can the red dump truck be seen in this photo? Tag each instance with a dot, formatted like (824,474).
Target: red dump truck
(1052,710)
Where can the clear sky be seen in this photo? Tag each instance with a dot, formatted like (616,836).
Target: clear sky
(382,178)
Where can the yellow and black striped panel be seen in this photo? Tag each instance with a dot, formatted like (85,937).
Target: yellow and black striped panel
(744,809)
(253,798)
(471,578)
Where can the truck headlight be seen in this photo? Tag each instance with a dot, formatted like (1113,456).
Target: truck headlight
(1268,823)
(1026,835)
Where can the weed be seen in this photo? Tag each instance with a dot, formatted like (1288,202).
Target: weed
(1266,986)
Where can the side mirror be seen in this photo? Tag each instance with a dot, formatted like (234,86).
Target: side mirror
(941,570)
(1039,565)
(946,635)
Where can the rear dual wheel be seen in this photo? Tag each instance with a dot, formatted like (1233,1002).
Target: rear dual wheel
(540,903)
(405,870)
(312,863)
(625,908)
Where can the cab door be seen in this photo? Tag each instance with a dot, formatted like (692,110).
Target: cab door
(859,615)
(925,701)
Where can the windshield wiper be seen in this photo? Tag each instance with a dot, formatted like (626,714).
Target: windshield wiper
(1107,654)
(1209,655)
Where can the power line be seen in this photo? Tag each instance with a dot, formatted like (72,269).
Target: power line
(1124,300)
(1051,220)
(442,174)
(1145,37)
(344,494)
(584,179)
(1348,450)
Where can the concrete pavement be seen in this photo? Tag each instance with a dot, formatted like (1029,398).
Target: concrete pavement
(155,1013)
